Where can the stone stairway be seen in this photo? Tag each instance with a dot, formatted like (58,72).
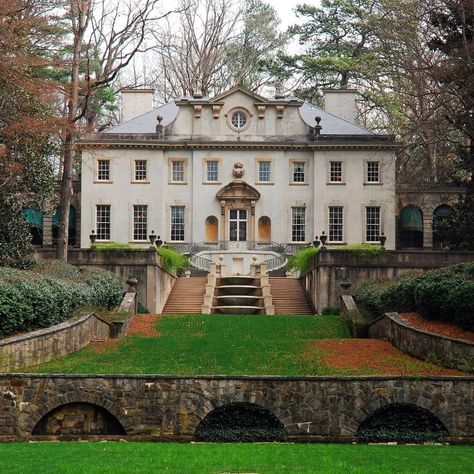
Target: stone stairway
(289,296)
(186,296)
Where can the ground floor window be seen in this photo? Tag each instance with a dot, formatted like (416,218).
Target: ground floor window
(238,225)
(140,222)
(372,223)
(336,233)
(103,221)
(298,224)
(177,223)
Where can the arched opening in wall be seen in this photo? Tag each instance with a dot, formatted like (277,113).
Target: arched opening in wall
(411,227)
(211,229)
(35,220)
(72,226)
(264,229)
(78,419)
(401,422)
(441,218)
(239,422)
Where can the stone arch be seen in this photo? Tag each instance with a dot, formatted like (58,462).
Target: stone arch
(72,233)
(78,419)
(264,229)
(240,421)
(211,229)
(411,227)
(67,398)
(442,212)
(406,422)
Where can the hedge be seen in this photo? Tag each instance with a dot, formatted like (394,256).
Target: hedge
(50,293)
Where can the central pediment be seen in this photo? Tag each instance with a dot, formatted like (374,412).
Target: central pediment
(238,190)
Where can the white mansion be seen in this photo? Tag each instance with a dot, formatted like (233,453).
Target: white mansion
(238,167)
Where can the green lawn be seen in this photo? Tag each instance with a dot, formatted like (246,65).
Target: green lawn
(207,345)
(116,457)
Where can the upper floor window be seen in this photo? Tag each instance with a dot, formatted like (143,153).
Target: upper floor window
(103,170)
(177,171)
(336,224)
(140,170)
(373,172)
(298,172)
(103,221)
(238,119)
(140,222)
(264,171)
(298,224)
(212,171)
(372,223)
(335,172)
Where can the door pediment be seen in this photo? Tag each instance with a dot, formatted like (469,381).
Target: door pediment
(238,190)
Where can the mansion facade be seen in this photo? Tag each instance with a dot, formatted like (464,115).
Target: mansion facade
(238,167)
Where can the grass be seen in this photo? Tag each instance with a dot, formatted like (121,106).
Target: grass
(207,345)
(115,457)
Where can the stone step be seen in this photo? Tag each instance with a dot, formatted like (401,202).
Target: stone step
(186,296)
(289,296)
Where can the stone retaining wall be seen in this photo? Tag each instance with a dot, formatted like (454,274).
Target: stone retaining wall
(161,407)
(424,345)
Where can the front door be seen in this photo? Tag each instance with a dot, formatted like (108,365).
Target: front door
(237,225)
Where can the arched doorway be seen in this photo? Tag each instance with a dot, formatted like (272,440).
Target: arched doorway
(411,227)
(441,217)
(78,419)
(264,229)
(211,229)
(239,422)
(401,422)
(35,220)
(72,226)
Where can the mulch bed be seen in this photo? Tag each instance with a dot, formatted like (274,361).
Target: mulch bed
(443,329)
(144,325)
(372,357)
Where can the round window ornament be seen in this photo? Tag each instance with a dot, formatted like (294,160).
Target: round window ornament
(239,120)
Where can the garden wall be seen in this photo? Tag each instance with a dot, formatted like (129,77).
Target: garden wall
(171,408)
(331,267)
(37,347)
(422,344)
(154,283)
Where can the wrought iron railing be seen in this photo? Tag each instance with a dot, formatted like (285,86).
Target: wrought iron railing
(201,263)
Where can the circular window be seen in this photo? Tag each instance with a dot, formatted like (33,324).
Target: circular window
(238,120)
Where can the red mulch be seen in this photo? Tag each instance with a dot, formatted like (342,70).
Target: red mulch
(443,329)
(144,325)
(372,357)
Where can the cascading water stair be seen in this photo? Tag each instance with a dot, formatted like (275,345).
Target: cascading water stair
(186,296)
(289,296)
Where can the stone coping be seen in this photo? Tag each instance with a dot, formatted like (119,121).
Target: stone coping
(283,378)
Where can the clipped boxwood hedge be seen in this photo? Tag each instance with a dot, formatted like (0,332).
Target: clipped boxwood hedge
(50,293)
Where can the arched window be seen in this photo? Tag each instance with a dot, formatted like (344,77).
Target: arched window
(211,229)
(264,229)
(35,220)
(441,217)
(411,227)
(72,226)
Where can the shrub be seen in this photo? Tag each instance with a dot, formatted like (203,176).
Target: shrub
(369,298)
(401,295)
(50,293)
(172,261)
(363,250)
(330,311)
(114,247)
(302,260)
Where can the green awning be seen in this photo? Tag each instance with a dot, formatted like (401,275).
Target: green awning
(443,211)
(33,217)
(411,218)
(72,217)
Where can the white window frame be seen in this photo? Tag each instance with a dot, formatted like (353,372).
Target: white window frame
(332,222)
(367,224)
(99,170)
(368,163)
(208,171)
(294,164)
(333,172)
(98,226)
(171,172)
(137,171)
(294,228)
(140,222)
(182,225)
(268,172)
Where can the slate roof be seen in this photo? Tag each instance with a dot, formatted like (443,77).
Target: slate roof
(332,125)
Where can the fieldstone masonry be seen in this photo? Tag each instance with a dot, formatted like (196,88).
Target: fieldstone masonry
(310,408)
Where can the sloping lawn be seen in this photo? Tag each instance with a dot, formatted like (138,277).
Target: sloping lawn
(205,345)
(115,457)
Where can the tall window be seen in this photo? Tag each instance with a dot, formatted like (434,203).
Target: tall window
(298,224)
(373,172)
(372,223)
(177,223)
(140,222)
(212,171)
(103,221)
(298,172)
(140,170)
(103,170)
(336,224)
(177,171)
(335,171)
(264,171)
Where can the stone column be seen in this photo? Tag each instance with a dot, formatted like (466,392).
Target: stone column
(47,231)
(428,229)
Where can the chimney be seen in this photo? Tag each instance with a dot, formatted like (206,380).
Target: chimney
(136,102)
(342,103)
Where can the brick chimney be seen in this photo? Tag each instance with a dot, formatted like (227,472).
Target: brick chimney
(341,102)
(136,102)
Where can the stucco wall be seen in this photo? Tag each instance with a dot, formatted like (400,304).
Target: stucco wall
(310,408)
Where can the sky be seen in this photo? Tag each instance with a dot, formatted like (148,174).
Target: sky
(285,9)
